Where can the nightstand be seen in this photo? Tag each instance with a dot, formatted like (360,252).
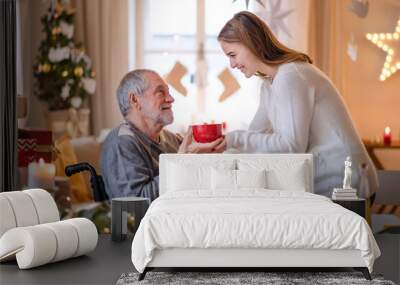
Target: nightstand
(358,206)
(120,207)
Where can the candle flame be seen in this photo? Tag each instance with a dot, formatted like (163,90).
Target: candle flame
(41,161)
(387,130)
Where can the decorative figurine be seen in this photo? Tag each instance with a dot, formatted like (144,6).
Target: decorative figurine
(347,174)
(346,192)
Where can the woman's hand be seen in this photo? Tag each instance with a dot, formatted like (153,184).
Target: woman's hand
(219,145)
(188,145)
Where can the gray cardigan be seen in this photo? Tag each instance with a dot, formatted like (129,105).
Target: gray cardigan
(129,161)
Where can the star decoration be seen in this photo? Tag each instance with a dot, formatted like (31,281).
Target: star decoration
(247,3)
(387,42)
(275,17)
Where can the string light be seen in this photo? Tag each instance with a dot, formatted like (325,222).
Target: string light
(384,41)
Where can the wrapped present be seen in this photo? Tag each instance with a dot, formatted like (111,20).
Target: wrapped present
(44,142)
(26,151)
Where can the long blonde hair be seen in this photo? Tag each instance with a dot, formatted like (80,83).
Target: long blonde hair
(251,31)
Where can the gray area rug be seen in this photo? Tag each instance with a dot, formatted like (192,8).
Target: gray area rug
(230,278)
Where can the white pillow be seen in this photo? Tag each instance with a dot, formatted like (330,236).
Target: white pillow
(251,178)
(223,179)
(281,174)
(236,179)
(184,175)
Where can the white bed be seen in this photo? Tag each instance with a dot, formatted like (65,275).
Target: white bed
(247,210)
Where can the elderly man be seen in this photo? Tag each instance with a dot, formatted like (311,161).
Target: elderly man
(130,153)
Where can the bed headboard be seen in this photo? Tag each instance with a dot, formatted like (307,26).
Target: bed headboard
(271,161)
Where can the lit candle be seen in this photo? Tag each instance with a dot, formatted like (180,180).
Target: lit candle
(387,136)
(41,175)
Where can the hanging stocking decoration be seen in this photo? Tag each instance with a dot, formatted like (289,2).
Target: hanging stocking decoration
(175,76)
(230,84)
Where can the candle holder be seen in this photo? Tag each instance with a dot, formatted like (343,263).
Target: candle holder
(41,175)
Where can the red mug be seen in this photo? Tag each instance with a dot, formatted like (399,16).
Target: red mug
(207,133)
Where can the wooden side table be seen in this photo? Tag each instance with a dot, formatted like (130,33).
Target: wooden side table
(358,206)
(120,207)
(371,146)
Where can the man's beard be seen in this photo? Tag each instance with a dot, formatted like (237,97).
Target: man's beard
(162,117)
(165,119)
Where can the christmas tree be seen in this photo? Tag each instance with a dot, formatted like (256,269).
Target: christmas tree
(63,73)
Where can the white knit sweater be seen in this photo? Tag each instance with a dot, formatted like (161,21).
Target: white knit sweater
(302,112)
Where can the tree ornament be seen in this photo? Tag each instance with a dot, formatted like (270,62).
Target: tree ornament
(65,91)
(46,67)
(78,71)
(55,31)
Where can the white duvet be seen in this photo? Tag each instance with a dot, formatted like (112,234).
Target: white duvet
(252,218)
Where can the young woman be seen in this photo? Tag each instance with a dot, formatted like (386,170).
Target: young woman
(300,110)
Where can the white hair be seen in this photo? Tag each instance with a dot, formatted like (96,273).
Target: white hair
(133,82)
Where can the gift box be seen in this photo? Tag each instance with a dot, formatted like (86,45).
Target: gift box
(72,122)
(44,142)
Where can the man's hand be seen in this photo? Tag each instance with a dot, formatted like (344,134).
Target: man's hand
(188,145)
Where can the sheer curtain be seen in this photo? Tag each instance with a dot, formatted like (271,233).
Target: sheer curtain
(102,26)
(8,121)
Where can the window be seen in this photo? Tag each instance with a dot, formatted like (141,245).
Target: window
(186,31)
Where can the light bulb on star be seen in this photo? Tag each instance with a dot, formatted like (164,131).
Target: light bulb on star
(389,43)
